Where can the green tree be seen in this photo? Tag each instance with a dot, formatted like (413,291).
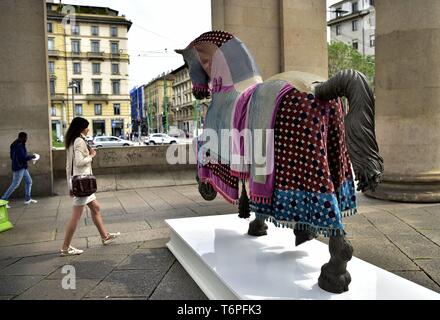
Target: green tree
(343,56)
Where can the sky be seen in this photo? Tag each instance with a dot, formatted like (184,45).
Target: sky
(159,27)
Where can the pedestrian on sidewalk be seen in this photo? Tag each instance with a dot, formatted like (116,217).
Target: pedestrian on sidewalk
(80,155)
(20,158)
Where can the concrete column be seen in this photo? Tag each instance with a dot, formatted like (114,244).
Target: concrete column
(24,96)
(257,24)
(408,99)
(282,35)
(304,36)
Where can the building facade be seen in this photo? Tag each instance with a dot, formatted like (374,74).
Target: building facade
(139,119)
(189,113)
(354,22)
(88,69)
(157,99)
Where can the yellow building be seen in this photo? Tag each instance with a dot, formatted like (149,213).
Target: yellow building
(189,113)
(158,94)
(88,68)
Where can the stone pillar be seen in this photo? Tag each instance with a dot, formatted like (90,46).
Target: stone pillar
(408,99)
(304,36)
(282,35)
(257,24)
(24,97)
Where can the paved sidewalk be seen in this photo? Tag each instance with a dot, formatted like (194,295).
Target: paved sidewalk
(401,238)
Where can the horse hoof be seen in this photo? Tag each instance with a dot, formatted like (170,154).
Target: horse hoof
(207,192)
(334,283)
(257,228)
(302,236)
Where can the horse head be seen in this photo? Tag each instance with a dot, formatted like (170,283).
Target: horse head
(220,59)
(199,77)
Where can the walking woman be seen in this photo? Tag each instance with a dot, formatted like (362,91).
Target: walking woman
(80,155)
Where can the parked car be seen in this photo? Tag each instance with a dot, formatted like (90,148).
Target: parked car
(160,138)
(108,141)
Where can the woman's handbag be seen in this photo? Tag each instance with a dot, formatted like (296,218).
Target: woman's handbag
(83,185)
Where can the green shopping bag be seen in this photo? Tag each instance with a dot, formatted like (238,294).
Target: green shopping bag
(5,224)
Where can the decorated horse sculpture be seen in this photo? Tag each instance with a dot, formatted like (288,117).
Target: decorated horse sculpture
(301,177)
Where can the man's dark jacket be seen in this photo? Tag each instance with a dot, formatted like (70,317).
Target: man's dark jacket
(19,155)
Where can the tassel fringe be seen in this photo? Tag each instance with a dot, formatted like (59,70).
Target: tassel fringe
(304,226)
(261,199)
(224,195)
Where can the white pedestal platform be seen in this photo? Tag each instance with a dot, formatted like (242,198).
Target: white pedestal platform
(227,263)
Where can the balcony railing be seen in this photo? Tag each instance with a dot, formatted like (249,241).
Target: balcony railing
(57,96)
(97,97)
(95,55)
(53,53)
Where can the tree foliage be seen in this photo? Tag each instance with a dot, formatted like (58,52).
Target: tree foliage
(343,56)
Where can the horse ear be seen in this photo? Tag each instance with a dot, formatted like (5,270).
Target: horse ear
(179,51)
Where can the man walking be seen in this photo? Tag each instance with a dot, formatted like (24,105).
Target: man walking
(20,158)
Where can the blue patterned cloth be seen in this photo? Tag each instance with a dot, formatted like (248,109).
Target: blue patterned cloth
(314,185)
(318,212)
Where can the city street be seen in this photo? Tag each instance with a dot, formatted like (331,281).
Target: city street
(401,238)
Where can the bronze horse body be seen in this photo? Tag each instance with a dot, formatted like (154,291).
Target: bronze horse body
(221,65)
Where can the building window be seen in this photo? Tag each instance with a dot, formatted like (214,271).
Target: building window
(354,25)
(78,86)
(354,6)
(113,31)
(96,68)
(78,110)
(77,68)
(50,44)
(338,12)
(372,41)
(53,111)
(95,46)
(115,68)
(95,31)
(52,87)
(372,3)
(98,109)
(117,128)
(117,109)
(96,86)
(51,67)
(76,46)
(114,47)
(49,27)
(355,44)
(75,29)
(338,30)
(116,87)
(98,127)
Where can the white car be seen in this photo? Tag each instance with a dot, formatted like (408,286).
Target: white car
(108,141)
(160,138)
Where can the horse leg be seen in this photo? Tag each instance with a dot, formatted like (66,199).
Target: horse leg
(334,275)
(257,228)
(302,236)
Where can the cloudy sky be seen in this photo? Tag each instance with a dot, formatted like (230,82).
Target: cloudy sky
(159,27)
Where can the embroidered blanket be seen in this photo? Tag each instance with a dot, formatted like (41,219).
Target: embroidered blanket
(313,180)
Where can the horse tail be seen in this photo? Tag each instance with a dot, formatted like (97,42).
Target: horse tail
(359,124)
